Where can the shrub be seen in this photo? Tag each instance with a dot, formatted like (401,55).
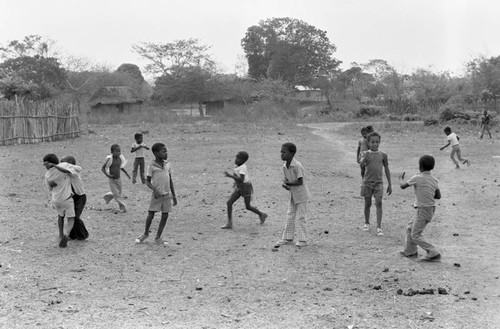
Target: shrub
(431,122)
(368,111)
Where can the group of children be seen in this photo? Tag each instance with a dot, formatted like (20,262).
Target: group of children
(64,182)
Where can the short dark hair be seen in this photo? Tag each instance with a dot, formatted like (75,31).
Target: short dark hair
(156,147)
(369,128)
(69,159)
(114,147)
(447,130)
(137,135)
(364,129)
(244,155)
(426,162)
(52,158)
(291,147)
(373,134)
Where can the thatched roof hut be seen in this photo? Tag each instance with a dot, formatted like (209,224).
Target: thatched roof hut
(119,98)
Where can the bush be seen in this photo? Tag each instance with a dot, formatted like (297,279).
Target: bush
(431,122)
(412,117)
(368,111)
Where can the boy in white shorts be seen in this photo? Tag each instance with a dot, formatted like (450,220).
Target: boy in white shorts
(59,184)
(159,179)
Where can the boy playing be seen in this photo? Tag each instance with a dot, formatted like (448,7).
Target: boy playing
(294,182)
(242,187)
(426,190)
(485,124)
(114,164)
(159,179)
(59,185)
(373,161)
(138,147)
(455,148)
(68,166)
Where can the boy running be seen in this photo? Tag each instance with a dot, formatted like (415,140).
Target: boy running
(114,164)
(455,148)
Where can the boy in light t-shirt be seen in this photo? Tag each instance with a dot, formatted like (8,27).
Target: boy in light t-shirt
(455,148)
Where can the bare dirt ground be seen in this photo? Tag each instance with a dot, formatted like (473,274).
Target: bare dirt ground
(213,278)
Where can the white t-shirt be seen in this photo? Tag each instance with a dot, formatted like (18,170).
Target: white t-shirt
(139,153)
(452,138)
(242,170)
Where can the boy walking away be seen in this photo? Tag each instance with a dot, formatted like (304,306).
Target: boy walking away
(374,161)
(455,148)
(485,124)
(59,185)
(68,166)
(159,179)
(114,164)
(138,148)
(294,182)
(242,187)
(426,191)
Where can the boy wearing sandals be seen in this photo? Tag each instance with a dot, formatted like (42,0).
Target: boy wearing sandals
(426,191)
(159,179)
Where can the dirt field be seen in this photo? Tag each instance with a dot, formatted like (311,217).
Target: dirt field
(213,278)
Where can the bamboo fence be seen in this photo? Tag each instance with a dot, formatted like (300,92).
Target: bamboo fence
(26,122)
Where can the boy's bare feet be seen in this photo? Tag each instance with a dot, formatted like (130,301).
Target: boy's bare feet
(263,217)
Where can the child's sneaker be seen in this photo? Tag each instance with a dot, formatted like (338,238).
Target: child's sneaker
(141,238)
(263,218)
(284,241)
(301,244)
(161,242)
(366,227)
(379,231)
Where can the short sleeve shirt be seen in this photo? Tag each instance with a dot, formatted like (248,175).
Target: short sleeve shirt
(425,188)
(242,170)
(160,176)
(76,180)
(140,152)
(62,191)
(452,138)
(374,164)
(300,193)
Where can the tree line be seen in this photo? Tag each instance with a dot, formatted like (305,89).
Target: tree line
(280,54)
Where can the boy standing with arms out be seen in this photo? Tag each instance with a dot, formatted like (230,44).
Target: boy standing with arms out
(242,187)
(299,196)
(159,179)
(59,185)
(426,191)
(114,164)
(455,148)
(137,148)
(373,161)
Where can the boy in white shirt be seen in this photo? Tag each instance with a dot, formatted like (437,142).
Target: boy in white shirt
(139,163)
(455,148)
(242,187)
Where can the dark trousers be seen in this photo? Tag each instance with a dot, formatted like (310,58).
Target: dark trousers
(79,231)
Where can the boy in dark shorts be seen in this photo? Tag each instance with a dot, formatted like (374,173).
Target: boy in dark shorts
(242,187)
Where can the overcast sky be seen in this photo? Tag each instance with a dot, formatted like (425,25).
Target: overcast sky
(409,34)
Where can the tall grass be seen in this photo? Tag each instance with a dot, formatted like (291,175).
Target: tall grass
(145,115)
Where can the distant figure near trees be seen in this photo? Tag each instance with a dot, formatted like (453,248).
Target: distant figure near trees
(485,124)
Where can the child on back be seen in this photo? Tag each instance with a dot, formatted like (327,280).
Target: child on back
(114,164)
(362,147)
(68,166)
(59,185)
(242,187)
(426,191)
(294,182)
(455,148)
(137,148)
(374,161)
(159,179)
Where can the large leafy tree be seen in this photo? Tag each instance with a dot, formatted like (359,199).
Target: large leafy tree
(172,57)
(289,49)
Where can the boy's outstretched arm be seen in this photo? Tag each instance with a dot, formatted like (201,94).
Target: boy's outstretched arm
(126,173)
(442,148)
(402,183)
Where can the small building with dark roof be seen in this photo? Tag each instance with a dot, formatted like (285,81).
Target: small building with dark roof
(115,98)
